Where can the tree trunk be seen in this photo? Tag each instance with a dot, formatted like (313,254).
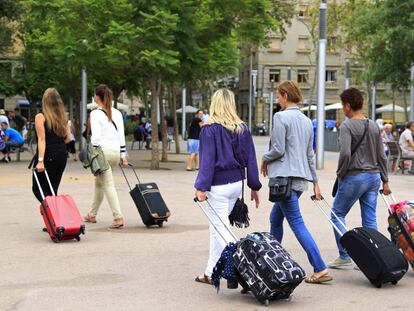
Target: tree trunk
(393,106)
(145,99)
(164,137)
(190,95)
(116,94)
(175,119)
(155,160)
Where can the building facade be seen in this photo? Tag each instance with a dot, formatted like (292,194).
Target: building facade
(295,58)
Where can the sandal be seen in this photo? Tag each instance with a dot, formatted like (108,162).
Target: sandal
(318,280)
(90,218)
(204,279)
(118,223)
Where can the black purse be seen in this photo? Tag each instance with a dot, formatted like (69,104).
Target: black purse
(280,188)
(336,184)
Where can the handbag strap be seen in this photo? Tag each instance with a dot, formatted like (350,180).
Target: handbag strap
(362,138)
(241,168)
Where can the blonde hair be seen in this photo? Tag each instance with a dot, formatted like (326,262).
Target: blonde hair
(54,112)
(223,111)
(292,90)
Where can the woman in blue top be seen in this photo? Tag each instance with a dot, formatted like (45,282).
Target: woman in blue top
(226,149)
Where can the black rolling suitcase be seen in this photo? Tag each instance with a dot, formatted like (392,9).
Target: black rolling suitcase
(149,202)
(264,267)
(376,256)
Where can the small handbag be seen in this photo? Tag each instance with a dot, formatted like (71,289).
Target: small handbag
(280,188)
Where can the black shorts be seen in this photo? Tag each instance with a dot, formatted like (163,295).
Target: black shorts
(70,147)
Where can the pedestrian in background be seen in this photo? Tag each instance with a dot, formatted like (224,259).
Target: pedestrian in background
(361,167)
(71,146)
(107,127)
(12,139)
(3,117)
(52,134)
(193,141)
(226,150)
(291,157)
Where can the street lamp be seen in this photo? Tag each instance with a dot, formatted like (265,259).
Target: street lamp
(272,86)
(84,96)
(347,73)
(412,93)
(373,100)
(320,130)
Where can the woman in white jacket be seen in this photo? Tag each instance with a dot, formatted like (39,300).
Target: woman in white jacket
(107,127)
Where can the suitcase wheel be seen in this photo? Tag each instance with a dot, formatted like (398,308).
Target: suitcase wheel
(82,229)
(377,285)
(394,282)
(56,240)
(266,302)
(160,224)
(78,238)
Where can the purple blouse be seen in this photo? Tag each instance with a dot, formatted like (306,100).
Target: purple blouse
(223,157)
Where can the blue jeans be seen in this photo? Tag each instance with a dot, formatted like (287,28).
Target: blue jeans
(290,210)
(363,187)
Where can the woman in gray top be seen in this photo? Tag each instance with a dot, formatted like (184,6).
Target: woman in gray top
(360,168)
(291,155)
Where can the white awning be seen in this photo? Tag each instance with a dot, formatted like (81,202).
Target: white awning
(188,109)
(337,106)
(312,108)
(389,108)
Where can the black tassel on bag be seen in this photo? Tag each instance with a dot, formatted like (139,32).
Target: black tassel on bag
(239,216)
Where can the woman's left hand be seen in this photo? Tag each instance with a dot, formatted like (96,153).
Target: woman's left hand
(201,195)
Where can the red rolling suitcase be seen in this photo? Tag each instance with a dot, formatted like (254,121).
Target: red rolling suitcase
(60,214)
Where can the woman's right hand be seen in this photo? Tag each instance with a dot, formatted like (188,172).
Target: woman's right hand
(317,191)
(263,168)
(40,167)
(255,197)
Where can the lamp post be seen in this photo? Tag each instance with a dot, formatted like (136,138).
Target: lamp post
(183,101)
(84,96)
(250,91)
(272,86)
(320,130)
(347,73)
(289,73)
(412,93)
(373,100)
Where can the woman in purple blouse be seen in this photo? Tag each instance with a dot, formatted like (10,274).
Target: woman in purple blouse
(226,150)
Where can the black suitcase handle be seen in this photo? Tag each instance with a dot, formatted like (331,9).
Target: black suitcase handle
(123,173)
(324,206)
(38,183)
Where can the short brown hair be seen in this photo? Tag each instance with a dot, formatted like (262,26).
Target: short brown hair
(291,89)
(353,97)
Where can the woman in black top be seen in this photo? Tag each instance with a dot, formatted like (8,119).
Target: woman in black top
(193,141)
(53,133)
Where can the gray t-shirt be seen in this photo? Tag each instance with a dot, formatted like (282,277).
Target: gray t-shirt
(370,155)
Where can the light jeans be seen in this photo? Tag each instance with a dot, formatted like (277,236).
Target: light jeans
(363,187)
(222,199)
(104,185)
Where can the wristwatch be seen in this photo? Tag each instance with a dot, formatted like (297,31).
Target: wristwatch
(40,159)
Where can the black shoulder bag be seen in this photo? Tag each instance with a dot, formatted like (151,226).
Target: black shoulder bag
(336,184)
(239,216)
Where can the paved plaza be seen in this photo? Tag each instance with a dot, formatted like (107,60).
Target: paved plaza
(154,269)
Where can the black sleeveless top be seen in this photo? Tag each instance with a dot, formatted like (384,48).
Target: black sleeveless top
(54,143)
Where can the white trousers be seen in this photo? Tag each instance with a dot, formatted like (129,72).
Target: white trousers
(222,199)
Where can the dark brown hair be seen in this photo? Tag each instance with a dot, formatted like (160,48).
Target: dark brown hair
(105,95)
(291,88)
(353,97)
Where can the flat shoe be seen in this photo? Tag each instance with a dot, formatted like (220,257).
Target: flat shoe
(90,218)
(204,280)
(318,280)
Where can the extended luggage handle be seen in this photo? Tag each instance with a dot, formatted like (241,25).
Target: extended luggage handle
(123,173)
(384,197)
(211,220)
(38,183)
(324,206)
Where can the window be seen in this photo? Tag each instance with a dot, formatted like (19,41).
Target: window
(332,44)
(330,76)
(304,44)
(1,103)
(274,74)
(275,44)
(303,76)
(301,10)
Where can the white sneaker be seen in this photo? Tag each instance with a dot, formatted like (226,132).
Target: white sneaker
(339,263)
